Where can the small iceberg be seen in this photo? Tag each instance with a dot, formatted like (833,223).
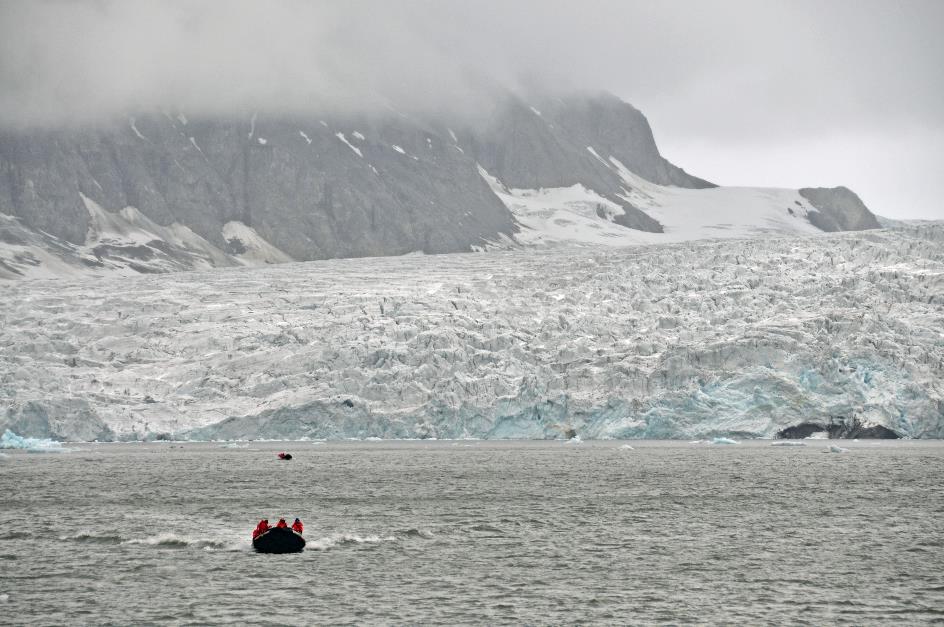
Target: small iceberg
(10,440)
(724,441)
(627,447)
(832,448)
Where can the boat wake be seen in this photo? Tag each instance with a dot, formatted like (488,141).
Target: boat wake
(340,539)
(161,540)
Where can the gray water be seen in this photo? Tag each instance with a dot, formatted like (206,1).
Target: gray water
(476,532)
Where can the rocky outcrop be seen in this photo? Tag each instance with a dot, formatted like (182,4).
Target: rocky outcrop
(838,209)
(839,427)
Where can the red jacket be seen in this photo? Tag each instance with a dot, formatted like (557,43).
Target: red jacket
(298,527)
(282,524)
(260,529)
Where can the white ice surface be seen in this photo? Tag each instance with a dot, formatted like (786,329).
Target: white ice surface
(691,340)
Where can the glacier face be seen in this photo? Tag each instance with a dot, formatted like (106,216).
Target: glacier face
(691,340)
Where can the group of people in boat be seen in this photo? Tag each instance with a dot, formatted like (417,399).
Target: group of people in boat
(263,526)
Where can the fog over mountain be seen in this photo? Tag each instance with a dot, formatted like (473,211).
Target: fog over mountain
(743,92)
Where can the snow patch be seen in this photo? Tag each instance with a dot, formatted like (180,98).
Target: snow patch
(356,150)
(134,128)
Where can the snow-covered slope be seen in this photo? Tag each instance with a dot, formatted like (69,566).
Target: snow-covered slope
(696,339)
(578,215)
(126,243)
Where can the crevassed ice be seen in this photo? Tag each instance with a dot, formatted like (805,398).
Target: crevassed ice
(695,340)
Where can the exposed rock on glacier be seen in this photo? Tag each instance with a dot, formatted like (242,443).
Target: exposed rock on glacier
(838,209)
(838,427)
(734,338)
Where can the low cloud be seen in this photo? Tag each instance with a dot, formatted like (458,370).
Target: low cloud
(727,72)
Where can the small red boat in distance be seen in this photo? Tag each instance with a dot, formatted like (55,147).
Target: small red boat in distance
(285,456)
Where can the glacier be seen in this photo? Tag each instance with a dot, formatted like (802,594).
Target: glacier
(734,338)
(10,440)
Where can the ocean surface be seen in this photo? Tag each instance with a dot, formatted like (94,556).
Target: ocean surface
(476,532)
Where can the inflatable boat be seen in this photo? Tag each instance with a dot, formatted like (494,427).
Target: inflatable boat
(279,540)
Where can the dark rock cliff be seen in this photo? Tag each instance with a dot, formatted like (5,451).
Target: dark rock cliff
(319,187)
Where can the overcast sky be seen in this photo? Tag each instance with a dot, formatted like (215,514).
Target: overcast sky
(741,92)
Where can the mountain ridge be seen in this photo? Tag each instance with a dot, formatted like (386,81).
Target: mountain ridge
(267,189)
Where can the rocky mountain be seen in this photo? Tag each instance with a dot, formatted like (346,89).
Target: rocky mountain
(160,191)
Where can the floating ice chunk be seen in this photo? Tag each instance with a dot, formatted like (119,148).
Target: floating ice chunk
(575,440)
(535,111)
(262,141)
(788,444)
(832,448)
(818,435)
(627,447)
(724,441)
(305,136)
(398,149)
(10,440)
(358,135)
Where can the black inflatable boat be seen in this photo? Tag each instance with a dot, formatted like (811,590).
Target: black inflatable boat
(279,540)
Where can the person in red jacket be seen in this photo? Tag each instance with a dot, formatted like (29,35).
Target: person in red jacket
(261,528)
(281,524)
(298,527)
